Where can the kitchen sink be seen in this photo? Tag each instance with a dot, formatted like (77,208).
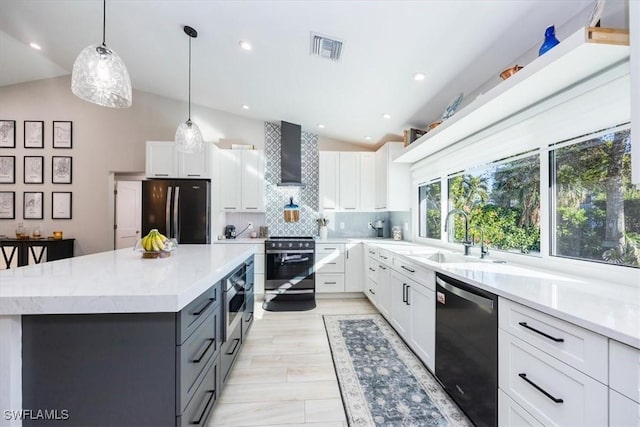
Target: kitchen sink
(448,258)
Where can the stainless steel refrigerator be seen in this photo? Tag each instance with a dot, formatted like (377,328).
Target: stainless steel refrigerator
(177,208)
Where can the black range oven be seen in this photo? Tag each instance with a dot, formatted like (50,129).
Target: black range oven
(289,273)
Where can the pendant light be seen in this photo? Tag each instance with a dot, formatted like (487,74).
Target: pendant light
(100,76)
(188,136)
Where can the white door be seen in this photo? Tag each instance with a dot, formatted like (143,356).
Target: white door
(128,213)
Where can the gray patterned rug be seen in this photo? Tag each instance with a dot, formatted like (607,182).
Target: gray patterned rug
(381,381)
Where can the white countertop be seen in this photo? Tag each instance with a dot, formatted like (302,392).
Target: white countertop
(118,281)
(610,309)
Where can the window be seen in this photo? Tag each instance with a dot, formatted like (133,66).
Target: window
(503,200)
(429,197)
(595,208)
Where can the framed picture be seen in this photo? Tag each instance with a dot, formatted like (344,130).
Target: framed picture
(7,169)
(62,134)
(7,134)
(32,205)
(33,169)
(33,134)
(61,205)
(61,170)
(7,204)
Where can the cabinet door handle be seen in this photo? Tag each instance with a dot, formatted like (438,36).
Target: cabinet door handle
(410,270)
(328,249)
(206,408)
(249,318)
(193,174)
(524,325)
(540,389)
(248,207)
(408,287)
(204,307)
(160,174)
(404,292)
(205,350)
(372,291)
(236,341)
(330,283)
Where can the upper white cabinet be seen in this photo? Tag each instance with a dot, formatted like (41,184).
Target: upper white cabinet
(164,161)
(580,56)
(392,182)
(347,180)
(241,180)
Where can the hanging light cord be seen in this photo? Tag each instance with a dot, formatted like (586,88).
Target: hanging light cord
(104,21)
(189,119)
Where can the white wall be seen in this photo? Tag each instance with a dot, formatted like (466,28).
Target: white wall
(105,141)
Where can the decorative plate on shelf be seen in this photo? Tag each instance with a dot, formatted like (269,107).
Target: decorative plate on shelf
(452,107)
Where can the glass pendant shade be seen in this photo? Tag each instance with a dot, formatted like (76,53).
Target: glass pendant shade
(188,137)
(100,76)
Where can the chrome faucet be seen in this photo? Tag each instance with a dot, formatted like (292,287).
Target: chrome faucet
(484,251)
(466,242)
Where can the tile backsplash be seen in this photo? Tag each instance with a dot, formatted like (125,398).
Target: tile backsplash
(356,224)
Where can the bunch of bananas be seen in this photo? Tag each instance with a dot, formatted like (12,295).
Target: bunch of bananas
(154,241)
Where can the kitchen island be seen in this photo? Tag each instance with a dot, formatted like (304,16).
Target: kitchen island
(115,292)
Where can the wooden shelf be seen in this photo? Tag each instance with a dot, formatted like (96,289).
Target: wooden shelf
(580,56)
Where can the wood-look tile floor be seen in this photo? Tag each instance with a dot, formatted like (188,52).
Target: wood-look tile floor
(284,375)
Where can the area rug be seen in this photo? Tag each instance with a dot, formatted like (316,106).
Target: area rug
(381,381)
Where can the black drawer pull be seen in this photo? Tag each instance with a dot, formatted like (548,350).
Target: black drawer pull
(250,318)
(372,269)
(328,249)
(372,292)
(383,257)
(524,325)
(540,389)
(382,267)
(408,287)
(205,350)
(206,408)
(204,307)
(236,341)
(410,270)
(329,283)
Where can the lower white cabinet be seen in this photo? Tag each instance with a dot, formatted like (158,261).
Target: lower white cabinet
(422,338)
(329,283)
(553,392)
(383,296)
(371,291)
(330,267)
(510,414)
(624,369)
(354,267)
(400,308)
(623,412)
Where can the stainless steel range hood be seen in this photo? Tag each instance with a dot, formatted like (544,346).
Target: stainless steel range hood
(290,155)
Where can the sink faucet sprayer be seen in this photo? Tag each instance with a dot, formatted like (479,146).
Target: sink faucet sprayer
(466,242)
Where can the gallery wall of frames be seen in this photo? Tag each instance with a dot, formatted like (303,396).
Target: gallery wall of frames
(34,169)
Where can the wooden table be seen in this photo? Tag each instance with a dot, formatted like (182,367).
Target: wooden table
(41,250)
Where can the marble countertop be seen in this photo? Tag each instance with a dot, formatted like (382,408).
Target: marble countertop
(610,309)
(118,281)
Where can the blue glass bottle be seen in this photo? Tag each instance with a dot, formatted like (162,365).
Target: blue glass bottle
(550,40)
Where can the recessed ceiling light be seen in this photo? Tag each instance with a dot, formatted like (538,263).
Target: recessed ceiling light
(36,46)
(245,107)
(320,125)
(418,77)
(386,115)
(245,45)
(368,138)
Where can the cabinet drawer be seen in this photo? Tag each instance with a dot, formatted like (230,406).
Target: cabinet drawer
(624,369)
(385,257)
(576,346)
(329,248)
(229,352)
(372,269)
(415,271)
(370,290)
(190,317)
(332,262)
(329,283)
(623,412)
(510,414)
(372,251)
(551,391)
(205,396)
(193,355)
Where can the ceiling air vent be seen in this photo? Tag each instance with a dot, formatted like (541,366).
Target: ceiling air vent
(325,47)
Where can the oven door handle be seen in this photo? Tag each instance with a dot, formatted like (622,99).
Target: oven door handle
(289,251)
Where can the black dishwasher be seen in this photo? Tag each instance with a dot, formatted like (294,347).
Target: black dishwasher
(467,348)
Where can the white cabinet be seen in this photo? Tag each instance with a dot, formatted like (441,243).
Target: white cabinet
(242,185)
(551,391)
(393,183)
(354,267)
(162,160)
(624,370)
(422,338)
(623,412)
(383,296)
(400,308)
(347,181)
(329,267)
(510,414)
(329,180)
(371,278)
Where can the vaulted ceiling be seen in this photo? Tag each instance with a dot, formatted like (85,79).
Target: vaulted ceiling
(457,44)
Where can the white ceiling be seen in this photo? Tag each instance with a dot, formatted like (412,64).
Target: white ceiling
(458,44)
